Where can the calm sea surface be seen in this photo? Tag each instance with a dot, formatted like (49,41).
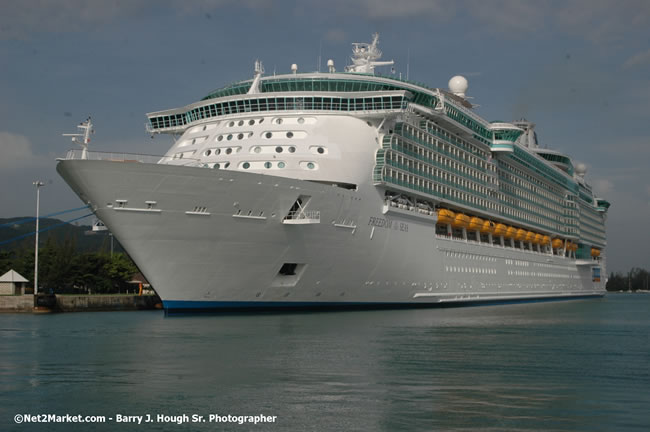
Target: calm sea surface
(562,366)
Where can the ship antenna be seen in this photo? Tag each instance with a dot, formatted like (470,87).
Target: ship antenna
(87,128)
(259,70)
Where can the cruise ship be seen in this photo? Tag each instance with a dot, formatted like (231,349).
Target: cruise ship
(348,189)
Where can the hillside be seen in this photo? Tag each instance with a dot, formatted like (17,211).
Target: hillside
(84,239)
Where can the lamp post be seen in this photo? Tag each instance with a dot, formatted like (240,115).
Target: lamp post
(38,185)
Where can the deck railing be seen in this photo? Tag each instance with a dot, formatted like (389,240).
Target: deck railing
(78,154)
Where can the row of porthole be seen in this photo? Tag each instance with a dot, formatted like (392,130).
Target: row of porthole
(240,136)
(247,165)
(278,149)
(217,151)
(269,135)
(259,121)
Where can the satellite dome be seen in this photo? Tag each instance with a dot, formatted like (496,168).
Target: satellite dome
(581,169)
(458,85)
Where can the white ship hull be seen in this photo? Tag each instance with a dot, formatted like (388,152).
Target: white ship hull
(217,239)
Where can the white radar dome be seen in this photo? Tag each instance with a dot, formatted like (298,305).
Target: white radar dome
(581,169)
(458,85)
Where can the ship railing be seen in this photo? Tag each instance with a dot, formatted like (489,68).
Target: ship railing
(79,154)
(300,217)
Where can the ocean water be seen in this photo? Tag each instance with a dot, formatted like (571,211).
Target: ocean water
(561,366)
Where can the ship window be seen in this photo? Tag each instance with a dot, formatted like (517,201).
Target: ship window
(290,134)
(321,150)
(292,149)
(278,149)
(278,121)
(227,165)
(228,150)
(257,149)
(281,165)
(261,120)
(217,166)
(301,120)
(246,165)
(240,136)
(220,138)
(217,151)
(241,123)
(267,164)
(269,134)
(231,124)
(310,165)
(251,122)
(229,137)
(207,152)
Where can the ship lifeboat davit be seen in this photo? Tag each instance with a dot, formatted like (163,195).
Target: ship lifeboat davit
(557,243)
(460,221)
(573,247)
(595,252)
(511,232)
(489,227)
(475,224)
(539,239)
(521,234)
(530,236)
(546,240)
(445,216)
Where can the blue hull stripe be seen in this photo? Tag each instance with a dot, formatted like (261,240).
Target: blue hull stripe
(183,306)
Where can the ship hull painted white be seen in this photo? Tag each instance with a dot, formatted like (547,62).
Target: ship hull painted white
(360,253)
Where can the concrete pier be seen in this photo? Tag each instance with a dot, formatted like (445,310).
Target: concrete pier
(79,303)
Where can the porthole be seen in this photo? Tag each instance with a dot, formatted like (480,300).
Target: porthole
(204,127)
(194,141)
(301,120)
(278,149)
(217,151)
(278,121)
(251,122)
(228,150)
(292,149)
(268,135)
(310,165)
(241,123)
(220,138)
(227,165)
(267,164)
(250,134)
(320,150)
(260,121)
(208,152)
(281,165)
(246,165)
(257,149)
(231,124)
(240,136)
(180,156)
(217,166)
(289,134)
(229,137)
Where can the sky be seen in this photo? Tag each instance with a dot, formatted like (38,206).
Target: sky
(579,69)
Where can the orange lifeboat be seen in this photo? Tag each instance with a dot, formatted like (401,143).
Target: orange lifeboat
(557,243)
(445,216)
(595,252)
(475,224)
(539,239)
(488,227)
(521,234)
(546,240)
(511,232)
(460,221)
(530,236)
(574,247)
(500,229)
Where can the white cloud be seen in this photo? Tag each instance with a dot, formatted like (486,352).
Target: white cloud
(637,60)
(16,153)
